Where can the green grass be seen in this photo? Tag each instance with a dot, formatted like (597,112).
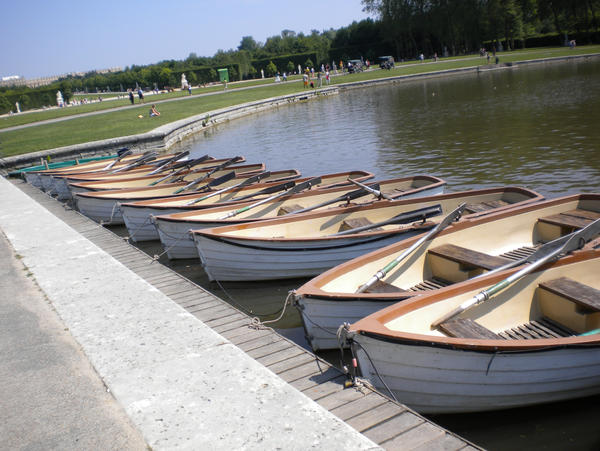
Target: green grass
(123,122)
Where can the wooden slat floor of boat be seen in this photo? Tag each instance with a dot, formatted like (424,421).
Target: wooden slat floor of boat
(430,284)
(542,328)
(389,424)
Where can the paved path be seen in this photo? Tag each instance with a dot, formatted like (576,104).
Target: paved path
(182,384)
(51,396)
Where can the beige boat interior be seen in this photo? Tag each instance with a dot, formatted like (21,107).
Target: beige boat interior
(142,181)
(330,224)
(562,301)
(170,189)
(231,196)
(286,205)
(464,254)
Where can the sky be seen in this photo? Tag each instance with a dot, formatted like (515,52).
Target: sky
(54,37)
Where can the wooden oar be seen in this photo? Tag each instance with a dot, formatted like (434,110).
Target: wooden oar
(215,182)
(402,218)
(249,181)
(209,173)
(119,158)
(164,165)
(375,192)
(347,197)
(293,189)
(575,241)
(140,161)
(182,168)
(270,190)
(382,273)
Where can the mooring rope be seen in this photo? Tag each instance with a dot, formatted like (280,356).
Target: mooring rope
(138,228)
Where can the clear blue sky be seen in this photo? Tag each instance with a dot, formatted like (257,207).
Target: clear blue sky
(52,37)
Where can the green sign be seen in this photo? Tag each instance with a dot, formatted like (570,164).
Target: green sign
(223,75)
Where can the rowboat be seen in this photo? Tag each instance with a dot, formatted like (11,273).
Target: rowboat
(306,245)
(47,180)
(104,206)
(536,341)
(460,252)
(64,188)
(174,228)
(137,215)
(59,164)
(147,161)
(141,181)
(34,177)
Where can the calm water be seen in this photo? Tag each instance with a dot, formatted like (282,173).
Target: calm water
(537,127)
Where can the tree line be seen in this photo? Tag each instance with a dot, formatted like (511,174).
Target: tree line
(401,28)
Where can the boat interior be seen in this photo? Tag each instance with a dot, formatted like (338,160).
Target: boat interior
(563,301)
(307,199)
(334,223)
(466,253)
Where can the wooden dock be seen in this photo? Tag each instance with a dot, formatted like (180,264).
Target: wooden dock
(391,425)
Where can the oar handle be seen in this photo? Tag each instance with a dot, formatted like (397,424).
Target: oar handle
(347,197)
(454,215)
(293,188)
(375,192)
(248,181)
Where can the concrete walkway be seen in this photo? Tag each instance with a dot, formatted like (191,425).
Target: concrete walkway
(51,396)
(182,385)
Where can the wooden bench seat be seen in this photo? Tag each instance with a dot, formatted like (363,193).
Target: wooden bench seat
(571,220)
(467,257)
(353,223)
(287,209)
(586,297)
(467,328)
(483,206)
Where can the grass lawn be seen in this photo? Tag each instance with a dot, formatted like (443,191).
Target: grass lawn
(123,122)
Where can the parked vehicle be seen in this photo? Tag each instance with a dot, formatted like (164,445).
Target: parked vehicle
(386,62)
(355,66)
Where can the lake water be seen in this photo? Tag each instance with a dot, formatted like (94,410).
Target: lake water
(537,127)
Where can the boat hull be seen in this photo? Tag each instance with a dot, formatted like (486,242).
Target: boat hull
(176,239)
(231,259)
(140,223)
(434,379)
(102,210)
(321,318)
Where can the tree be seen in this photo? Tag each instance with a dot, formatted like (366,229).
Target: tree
(164,77)
(66,90)
(290,67)
(192,78)
(271,69)
(248,43)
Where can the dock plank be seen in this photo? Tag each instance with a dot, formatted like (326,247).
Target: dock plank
(354,408)
(422,435)
(393,428)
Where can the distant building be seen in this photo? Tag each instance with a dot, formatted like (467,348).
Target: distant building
(17,80)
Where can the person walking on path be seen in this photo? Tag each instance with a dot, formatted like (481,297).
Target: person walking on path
(141,95)
(131,99)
